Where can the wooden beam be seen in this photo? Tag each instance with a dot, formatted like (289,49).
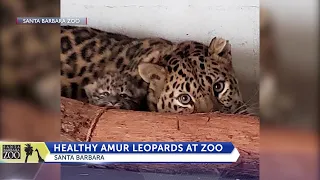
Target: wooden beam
(84,122)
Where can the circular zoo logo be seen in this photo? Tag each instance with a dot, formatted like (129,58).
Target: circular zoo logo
(11,152)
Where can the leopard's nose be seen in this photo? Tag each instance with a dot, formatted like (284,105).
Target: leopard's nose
(114,102)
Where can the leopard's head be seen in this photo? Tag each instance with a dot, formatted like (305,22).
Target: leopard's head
(115,90)
(197,78)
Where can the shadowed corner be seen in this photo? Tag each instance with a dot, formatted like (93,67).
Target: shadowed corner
(248,79)
(250,96)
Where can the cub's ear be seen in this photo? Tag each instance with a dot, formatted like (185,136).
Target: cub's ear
(153,74)
(220,46)
(90,89)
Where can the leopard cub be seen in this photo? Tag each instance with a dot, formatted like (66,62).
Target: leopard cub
(115,90)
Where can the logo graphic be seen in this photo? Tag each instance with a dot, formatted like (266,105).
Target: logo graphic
(28,149)
(23,152)
(11,151)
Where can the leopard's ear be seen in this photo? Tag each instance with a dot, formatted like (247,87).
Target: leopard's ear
(153,74)
(221,47)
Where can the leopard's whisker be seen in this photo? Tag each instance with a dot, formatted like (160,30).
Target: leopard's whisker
(245,104)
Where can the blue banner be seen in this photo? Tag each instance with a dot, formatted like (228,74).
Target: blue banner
(139,147)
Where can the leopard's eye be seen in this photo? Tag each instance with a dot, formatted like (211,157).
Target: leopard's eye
(185,99)
(105,93)
(124,95)
(95,95)
(218,86)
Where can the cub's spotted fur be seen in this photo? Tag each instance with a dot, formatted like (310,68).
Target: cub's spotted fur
(117,91)
(185,77)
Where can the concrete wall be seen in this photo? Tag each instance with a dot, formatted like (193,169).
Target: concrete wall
(177,20)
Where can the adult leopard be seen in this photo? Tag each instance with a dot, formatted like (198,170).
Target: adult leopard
(184,77)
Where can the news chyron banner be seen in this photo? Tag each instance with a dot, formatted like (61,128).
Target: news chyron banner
(118,152)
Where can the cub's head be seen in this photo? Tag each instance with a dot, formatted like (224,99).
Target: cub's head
(116,90)
(197,78)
